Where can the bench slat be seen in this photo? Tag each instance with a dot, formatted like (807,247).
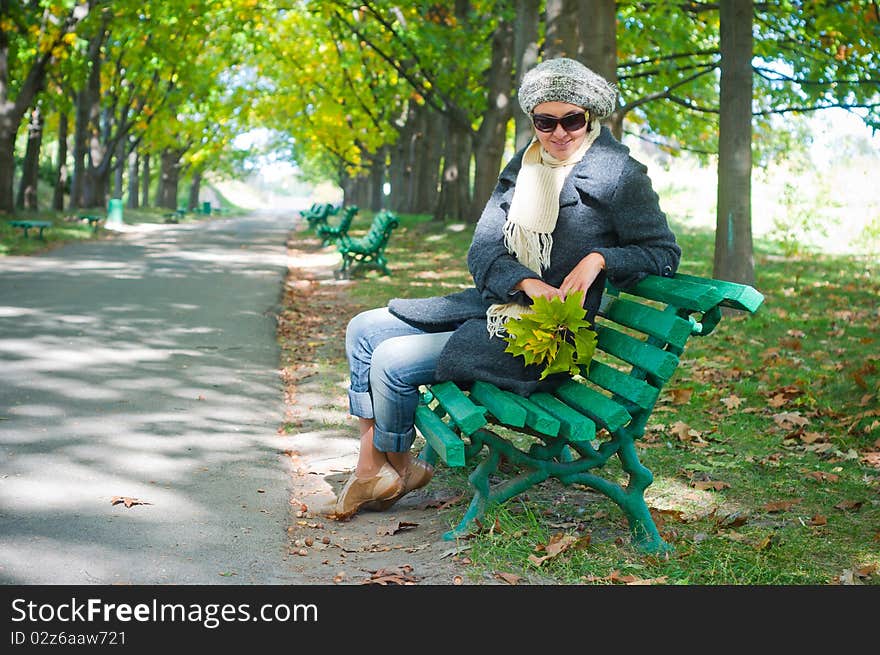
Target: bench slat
(601,409)
(737,296)
(660,324)
(537,418)
(678,292)
(500,406)
(467,416)
(636,391)
(655,361)
(573,425)
(448,446)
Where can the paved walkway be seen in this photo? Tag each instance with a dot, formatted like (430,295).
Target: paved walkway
(145,366)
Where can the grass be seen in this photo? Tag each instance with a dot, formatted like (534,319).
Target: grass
(765,445)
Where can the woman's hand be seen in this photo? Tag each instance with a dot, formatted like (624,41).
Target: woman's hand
(533,287)
(584,274)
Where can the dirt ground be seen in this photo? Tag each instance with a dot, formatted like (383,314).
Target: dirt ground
(403,545)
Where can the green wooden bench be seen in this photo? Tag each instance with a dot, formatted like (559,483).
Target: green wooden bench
(319,213)
(572,432)
(332,233)
(30,225)
(93,220)
(368,250)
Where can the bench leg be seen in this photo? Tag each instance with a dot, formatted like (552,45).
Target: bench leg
(484,495)
(631,500)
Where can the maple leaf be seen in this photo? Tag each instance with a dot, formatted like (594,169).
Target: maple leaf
(732,402)
(553,334)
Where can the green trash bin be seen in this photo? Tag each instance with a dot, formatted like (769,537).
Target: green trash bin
(206,208)
(114,211)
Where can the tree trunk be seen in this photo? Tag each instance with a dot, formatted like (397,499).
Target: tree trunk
(454,198)
(133,179)
(195,189)
(80,124)
(490,139)
(377,181)
(118,168)
(525,56)
(30,169)
(145,182)
(597,25)
(734,256)
(89,152)
(561,39)
(428,148)
(61,168)
(169,175)
(400,164)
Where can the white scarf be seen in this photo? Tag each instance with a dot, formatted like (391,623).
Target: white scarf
(534,210)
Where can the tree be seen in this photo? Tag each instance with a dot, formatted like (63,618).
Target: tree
(33,37)
(733,230)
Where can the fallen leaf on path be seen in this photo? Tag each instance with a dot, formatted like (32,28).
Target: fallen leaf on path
(509,578)
(402,575)
(129,502)
(440,502)
(394,527)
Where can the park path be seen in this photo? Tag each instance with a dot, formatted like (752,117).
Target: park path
(145,366)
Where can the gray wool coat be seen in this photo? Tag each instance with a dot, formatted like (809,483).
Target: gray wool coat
(607,205)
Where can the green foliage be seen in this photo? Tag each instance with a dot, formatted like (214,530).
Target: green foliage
(554,334)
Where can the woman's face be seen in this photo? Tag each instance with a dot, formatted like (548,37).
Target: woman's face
(560,143)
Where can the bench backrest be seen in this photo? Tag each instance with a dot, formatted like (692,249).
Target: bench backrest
(641,335)
(380,229)
(348,215)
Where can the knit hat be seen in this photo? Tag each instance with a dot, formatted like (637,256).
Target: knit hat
(566,80)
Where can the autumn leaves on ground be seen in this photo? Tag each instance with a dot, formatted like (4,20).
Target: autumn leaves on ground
(765,446)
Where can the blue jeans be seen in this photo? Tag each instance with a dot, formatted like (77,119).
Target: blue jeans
(389,359)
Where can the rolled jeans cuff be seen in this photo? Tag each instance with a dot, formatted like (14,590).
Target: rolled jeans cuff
(393,442)
(360,404)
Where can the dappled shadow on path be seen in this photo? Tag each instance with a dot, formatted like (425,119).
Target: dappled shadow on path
(147,368)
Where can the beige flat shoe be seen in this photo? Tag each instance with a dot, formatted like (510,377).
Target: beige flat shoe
(359,491)
(418,474)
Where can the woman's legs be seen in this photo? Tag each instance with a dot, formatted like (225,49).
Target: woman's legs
(388,359)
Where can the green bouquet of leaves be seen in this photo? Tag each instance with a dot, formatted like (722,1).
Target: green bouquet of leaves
(554,334)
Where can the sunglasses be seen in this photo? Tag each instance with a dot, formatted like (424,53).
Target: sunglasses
(570,123)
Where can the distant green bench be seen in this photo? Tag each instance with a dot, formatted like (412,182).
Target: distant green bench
(318,214)
(93,220)
(330,233)
(368,250)
(175,216)
(29,225)
(590,418)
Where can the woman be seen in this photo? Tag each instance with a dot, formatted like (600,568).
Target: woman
(569,209)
